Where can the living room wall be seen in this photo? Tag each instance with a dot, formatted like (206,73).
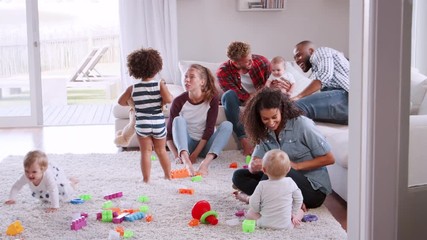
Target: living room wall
(206,27)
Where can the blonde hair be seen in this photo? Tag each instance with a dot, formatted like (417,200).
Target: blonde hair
(238,50)
(209,89)
(276,164)
(38,157)
(278,60)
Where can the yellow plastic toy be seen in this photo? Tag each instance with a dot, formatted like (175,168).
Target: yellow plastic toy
(15,228)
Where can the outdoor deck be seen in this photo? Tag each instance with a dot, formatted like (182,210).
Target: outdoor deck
(69,115)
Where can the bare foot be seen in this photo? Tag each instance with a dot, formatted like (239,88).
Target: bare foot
(178,160)
(74,181)
(203,171)
(248,148)
(241,196)
(190,169)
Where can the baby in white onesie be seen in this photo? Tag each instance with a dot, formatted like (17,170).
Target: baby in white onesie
(276,202)
(279,78)
(47,182)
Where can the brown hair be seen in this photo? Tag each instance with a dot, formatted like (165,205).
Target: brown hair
(238,50)
(276,163)
(209,89)
(144,63)
(266,98)
(38,157)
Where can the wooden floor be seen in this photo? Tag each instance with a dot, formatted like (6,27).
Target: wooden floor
(68,115)
(95,139)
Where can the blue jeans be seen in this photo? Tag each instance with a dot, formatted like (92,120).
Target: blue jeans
(328,105)
(215,144)
(231,104)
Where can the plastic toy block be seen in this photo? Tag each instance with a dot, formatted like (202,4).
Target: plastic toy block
(134,216)
(128,234)
(189,191)
(14,228)
(107,205)
(180,173)
(197,178)
(240,213)
(84,215)
(248,226)
(245,166)
(115,209)
(85,197)
(130,210)
(77,201)
(153,158)
(194,222)
(107,215)
(248,159)
(120,218)
(148,218)
(144,209)
(78,224)
(120,230)
(143,199)
(309,218)
(113,195)
(233,165)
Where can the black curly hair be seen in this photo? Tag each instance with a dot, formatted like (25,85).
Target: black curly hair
(266,98)
(144,63)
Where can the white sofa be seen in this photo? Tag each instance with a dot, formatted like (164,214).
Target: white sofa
(337,135)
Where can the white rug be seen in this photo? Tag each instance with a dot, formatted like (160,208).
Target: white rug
(100,174)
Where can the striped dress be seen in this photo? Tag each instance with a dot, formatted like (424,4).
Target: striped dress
(150,120)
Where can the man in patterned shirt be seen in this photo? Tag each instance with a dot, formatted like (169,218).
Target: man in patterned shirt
(240,77)
(330,74)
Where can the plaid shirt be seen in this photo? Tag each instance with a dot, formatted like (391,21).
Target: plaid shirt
(331,68)
(229,77)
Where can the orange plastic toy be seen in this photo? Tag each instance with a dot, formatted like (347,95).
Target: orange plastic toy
(15,228)
(233,165)
(202,211)
(186,191)
(193,222)
(180,173)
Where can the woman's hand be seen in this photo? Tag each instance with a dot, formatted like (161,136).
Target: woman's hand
(255,165)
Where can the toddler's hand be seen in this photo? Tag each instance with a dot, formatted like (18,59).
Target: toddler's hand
(295,220)
(9,202)
(51,210)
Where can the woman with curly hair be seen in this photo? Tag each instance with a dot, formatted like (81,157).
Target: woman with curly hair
(149,95)
(272,121)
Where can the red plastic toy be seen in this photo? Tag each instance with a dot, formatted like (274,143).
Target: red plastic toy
(202,211)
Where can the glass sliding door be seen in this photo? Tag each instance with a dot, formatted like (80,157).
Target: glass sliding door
(20,98)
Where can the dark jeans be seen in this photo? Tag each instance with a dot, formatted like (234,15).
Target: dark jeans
(247,182)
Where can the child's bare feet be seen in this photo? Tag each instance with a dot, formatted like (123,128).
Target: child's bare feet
(74,181)
(51,210)
(241,196)
(9,202)
(190,169)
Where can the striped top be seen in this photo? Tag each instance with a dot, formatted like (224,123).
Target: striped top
(331,68)
(148,103)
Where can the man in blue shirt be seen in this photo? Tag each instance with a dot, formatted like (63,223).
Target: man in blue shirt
(330,74)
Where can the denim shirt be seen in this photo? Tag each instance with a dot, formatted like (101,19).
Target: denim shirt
(302,141)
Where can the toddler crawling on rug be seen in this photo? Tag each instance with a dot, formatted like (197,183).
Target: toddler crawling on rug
(47,182)
(276,202)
